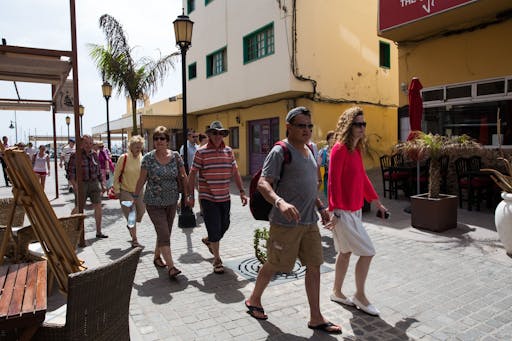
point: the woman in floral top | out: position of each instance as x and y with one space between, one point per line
161 170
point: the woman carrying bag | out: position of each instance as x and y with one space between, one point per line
126 174
162 170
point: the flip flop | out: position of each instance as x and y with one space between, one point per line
252 310
326 327
207 243
159 263
173 272
218 268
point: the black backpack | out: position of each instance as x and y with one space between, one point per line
260 208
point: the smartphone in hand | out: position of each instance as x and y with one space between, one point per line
386 214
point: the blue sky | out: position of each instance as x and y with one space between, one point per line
46 24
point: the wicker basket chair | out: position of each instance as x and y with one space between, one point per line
72 224
19 216
97 303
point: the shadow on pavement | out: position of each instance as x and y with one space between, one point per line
218 283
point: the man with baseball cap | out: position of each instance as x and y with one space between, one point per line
293 220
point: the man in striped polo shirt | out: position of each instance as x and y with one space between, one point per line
215 166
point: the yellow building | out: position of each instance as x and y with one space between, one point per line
460 50
166 113
252 61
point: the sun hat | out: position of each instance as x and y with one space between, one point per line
216 125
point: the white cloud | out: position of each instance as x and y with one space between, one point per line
46 24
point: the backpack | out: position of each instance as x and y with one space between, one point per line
260 207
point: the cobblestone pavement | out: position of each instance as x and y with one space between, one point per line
429 286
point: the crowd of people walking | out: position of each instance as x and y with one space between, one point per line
153 182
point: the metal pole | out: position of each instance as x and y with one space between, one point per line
186 217
108 127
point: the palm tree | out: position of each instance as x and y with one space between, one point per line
434 146
134 78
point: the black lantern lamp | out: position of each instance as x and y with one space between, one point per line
183 33
106 88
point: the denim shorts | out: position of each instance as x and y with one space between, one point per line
216 218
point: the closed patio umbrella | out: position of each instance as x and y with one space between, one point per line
415 115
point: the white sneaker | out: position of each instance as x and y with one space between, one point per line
369 309
346 301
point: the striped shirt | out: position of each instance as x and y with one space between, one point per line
215 168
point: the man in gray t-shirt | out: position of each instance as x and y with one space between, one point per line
293 221
298 186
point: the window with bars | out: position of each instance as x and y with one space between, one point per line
259 44
216 62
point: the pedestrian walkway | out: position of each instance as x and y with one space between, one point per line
450 286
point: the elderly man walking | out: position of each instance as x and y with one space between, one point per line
90 186
215 165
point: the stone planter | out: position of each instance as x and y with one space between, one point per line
503 221
434 214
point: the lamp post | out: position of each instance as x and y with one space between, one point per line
183 33
68 121
106 88
81 111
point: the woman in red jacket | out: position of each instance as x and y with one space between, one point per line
348 186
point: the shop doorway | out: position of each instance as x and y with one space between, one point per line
262 136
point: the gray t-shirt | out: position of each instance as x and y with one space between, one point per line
298 185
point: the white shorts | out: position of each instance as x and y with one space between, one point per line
349 235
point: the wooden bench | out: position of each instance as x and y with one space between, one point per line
23 297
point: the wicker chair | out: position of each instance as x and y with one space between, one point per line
19 217
72 224
98 303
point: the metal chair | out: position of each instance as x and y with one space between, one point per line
97 303
385 169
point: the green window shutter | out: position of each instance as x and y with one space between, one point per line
192 71
384 55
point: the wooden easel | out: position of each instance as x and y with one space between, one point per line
28 192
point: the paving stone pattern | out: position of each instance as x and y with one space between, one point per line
450 286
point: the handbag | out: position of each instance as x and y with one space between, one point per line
179 178
111 194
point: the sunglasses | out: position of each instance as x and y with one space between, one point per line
223 133
303 126
359 124
159 138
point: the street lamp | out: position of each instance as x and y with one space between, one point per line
183 33
106 88
81 111
68 121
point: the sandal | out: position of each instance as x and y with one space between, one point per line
135 243
218 268
159 263
207 243
327 327
173 272
257 312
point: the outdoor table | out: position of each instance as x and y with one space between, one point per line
23 297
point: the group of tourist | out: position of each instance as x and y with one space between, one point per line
293 233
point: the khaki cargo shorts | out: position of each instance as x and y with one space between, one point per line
286 244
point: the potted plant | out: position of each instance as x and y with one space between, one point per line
435 211
503 213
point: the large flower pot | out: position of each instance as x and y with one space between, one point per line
434 214
503 221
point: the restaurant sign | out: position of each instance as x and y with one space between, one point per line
394 13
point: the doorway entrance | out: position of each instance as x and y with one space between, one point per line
262 136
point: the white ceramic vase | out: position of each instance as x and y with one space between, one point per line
503 221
